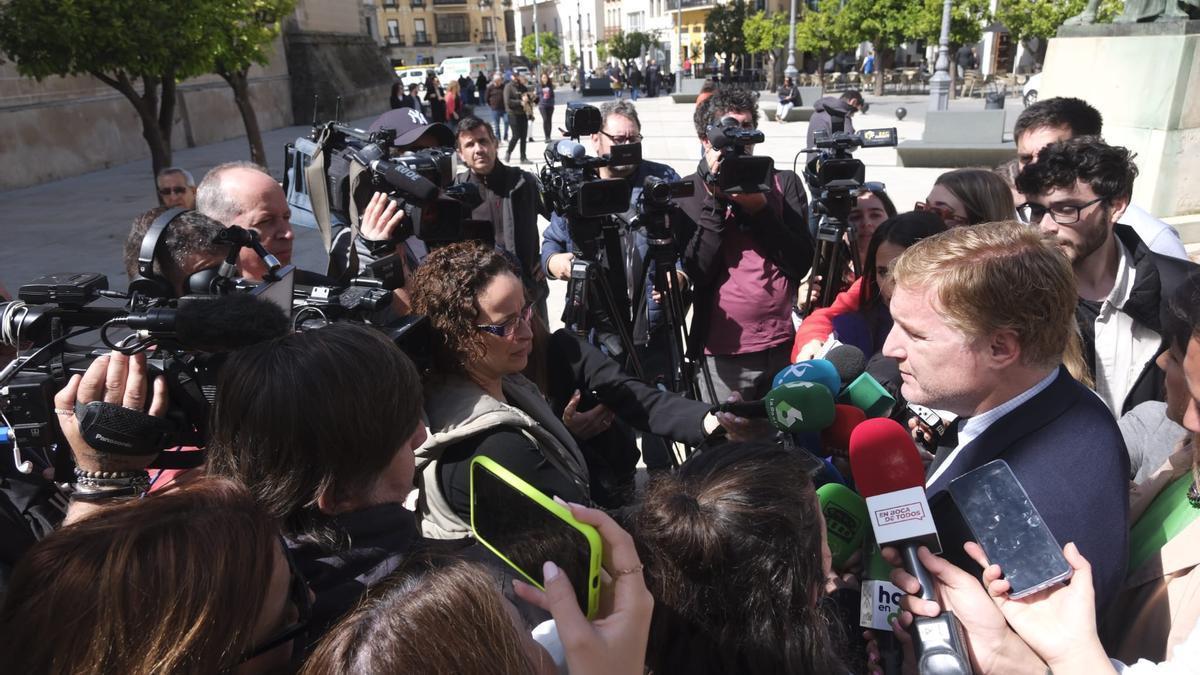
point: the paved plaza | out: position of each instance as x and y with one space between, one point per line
79 224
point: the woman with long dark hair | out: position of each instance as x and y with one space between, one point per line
546 104
867 298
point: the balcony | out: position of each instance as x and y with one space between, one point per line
421 40
488 39
444 38
441 3
691 4
389 3
395 40
418 3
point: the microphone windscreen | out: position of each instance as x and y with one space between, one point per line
849 361
837 435
845 520
799 406
226 323
570 149
883 458
866 394
407 180
813 370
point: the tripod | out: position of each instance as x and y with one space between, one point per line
598 295
836 243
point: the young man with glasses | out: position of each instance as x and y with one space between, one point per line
1076 191
176 187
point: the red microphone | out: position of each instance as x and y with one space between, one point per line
837 435
888 473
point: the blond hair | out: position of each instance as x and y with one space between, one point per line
998 276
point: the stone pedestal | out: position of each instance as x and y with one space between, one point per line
1145 80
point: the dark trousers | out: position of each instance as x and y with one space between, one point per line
519 124
547 125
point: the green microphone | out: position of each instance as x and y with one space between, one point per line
866 394
798 407
845 520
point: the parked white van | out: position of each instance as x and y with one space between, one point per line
410 76
452 68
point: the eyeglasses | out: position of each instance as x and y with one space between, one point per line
168 191
623 140
947 215
297 595
1063 214
508 328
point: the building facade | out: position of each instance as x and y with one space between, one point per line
416 32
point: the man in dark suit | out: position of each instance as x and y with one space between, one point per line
982 319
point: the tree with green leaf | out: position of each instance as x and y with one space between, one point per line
628 46
244 30
767 34
1041 19
823 31
723 31
551 50
886 24
141 49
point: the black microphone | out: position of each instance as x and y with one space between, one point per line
212 324
849 361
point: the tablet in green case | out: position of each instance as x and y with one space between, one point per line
525 528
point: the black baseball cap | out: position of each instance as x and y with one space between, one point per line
410 124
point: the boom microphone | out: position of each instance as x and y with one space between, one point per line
889 474
791 407
812 370
212 324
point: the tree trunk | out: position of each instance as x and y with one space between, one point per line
240 83
148 112
879 65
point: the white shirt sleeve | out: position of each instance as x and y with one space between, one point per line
1185 659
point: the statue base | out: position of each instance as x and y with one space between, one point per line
1144 78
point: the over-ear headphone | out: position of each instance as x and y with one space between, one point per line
148 283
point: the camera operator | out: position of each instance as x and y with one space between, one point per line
832 112
620 126
511 202
186 247
242 193
746 255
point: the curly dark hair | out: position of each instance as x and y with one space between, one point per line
1062 111
445 288
1108 169
732 548
725 100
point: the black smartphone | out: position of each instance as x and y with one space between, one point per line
525 528
1009 528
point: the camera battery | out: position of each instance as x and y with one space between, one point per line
77 288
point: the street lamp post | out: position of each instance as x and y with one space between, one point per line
939 83
495 36
537 43
579 41
791 71
679 45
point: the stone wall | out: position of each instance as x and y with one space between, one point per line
66 126
329 65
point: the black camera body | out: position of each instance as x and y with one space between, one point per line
740 172
571 183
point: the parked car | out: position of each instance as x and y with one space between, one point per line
410 76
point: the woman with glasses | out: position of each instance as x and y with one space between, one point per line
476 400
969 197
196 580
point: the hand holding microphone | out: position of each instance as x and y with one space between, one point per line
889 474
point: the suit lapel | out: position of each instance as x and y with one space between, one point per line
1026 419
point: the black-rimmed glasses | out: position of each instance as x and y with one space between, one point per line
1063 214
622 140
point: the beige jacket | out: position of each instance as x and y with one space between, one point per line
457 409
1160 602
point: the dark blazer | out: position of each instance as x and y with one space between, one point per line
1066 450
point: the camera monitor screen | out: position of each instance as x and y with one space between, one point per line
279 291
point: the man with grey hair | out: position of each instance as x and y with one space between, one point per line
176 187
242 193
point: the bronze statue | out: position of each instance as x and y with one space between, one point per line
1142 11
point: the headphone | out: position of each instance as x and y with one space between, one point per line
150 284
